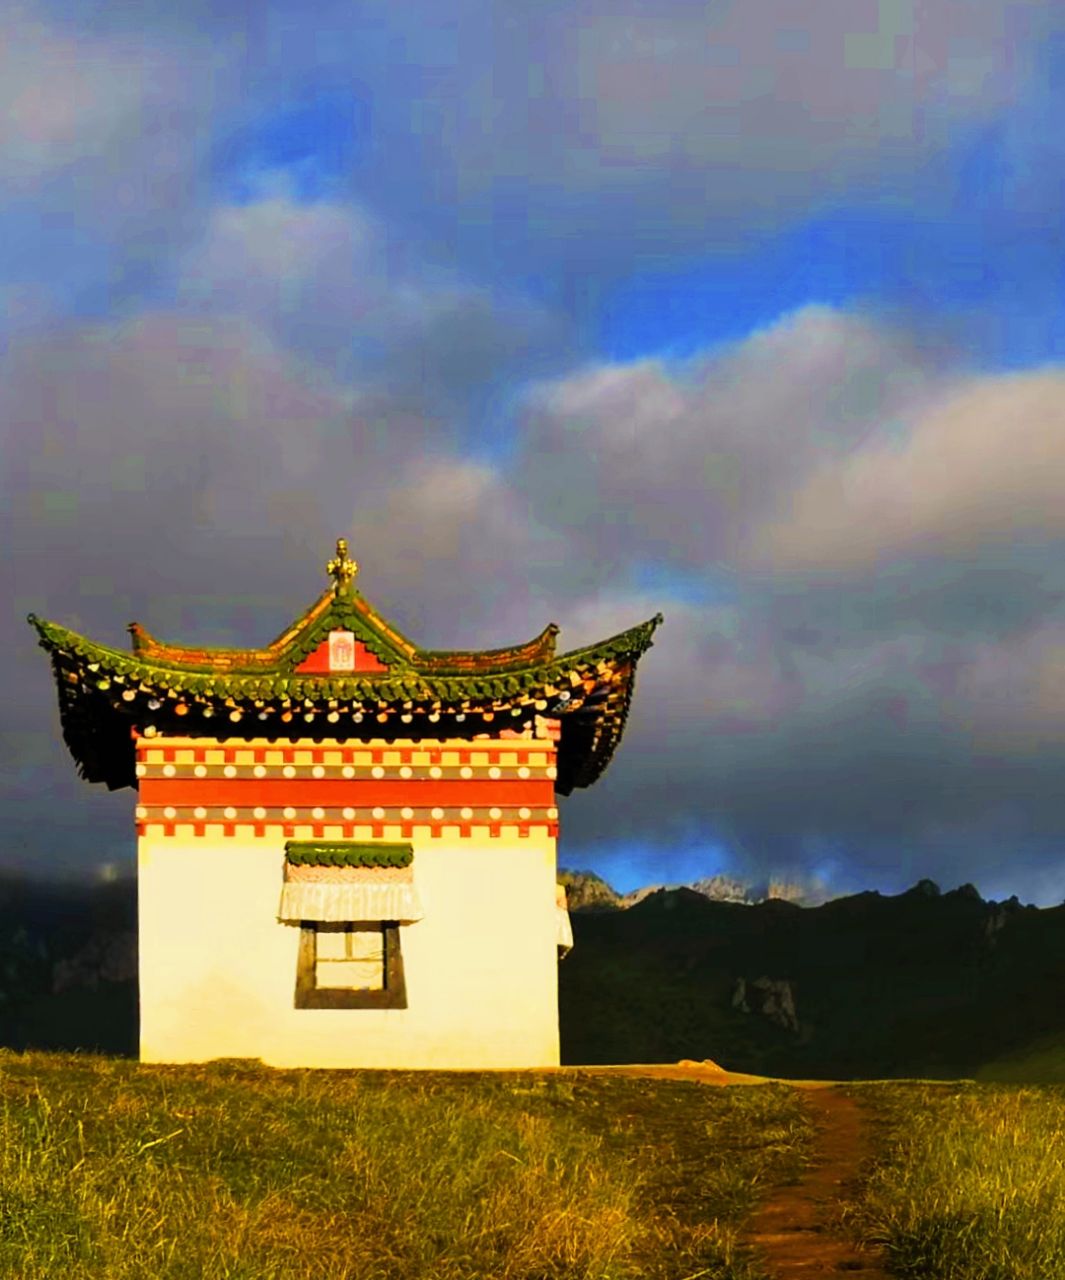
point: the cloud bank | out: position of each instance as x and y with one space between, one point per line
213 365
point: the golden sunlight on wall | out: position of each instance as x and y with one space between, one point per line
218 969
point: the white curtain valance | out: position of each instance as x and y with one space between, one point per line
342 901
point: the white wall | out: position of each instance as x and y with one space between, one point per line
218 970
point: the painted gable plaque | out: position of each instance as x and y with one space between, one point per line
341 651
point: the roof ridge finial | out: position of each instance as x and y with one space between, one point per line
342 569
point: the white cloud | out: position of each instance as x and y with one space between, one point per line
768 87
737 736
278 258
193 431
683 460
61 98
332 282
713 122
1011 695
197 468
827 443
121 112
982 464
460 555
618 133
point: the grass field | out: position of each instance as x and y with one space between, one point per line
967 1180
113 1169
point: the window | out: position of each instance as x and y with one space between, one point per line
349 957
349 897
356 965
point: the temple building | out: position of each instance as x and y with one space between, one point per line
345 843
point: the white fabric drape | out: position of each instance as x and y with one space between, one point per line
347 901
563 928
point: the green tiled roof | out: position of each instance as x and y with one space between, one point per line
165 689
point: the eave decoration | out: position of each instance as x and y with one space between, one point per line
389 688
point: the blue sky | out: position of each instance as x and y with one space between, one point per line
570 312
317 140
945 268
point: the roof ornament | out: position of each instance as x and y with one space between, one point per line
342 569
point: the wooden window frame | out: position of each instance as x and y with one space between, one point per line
393 995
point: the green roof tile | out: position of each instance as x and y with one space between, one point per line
484 681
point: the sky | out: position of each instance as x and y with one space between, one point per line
572 311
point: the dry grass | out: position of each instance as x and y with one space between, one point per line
968 1180
113 1169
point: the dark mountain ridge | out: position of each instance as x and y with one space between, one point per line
863 986
921 983
68 965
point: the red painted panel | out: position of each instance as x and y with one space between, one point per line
367 661
317 662
249 792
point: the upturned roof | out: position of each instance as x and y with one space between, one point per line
401 692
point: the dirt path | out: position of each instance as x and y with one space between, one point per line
791 1228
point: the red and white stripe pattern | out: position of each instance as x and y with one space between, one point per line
343 790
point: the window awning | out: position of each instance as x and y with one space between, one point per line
338 881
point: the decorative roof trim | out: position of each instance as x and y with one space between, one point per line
105 693
171 679
328 613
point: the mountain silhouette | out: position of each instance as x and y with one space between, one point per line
867 986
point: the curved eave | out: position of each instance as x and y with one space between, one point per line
103 693
516 657
147 648
289 649
388 644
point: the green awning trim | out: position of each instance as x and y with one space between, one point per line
347 853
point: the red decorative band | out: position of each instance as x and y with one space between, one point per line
347 830
202 768
309 792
